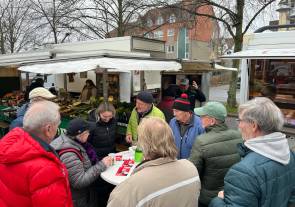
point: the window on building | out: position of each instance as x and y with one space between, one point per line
170 48
149 35
160 20
172 18
170 32
149 22
158 34
186 55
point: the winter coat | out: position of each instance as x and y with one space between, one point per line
193 95
185 143
18 122
166 107
103 136
84 94
213 153
162 182
81 173
134 120
265 177
31 173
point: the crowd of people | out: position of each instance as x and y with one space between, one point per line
190 159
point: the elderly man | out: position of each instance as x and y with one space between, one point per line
31 173
214 152
186 126
194 92
265 177
144 108
35 95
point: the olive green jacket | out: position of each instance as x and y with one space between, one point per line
213 153
133 121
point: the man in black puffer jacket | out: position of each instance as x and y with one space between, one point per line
214 152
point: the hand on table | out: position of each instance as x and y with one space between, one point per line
221 194
128 138
107 161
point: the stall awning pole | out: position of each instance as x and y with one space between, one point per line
105 84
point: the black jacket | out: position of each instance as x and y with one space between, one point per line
103 136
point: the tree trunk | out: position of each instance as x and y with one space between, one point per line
121 31
238 39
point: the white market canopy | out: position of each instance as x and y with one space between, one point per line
263 54
115 64
220 67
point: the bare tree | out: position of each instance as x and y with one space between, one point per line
15 25
54 18
105 18
231 14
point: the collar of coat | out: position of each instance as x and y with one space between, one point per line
217 127
151 163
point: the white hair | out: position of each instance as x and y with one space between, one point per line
264 112
39 114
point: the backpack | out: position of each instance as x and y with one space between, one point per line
77 152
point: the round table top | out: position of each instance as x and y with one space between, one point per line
110 174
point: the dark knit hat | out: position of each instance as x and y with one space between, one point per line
145 97
182 103
78 126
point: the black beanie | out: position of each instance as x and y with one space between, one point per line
145 97
182 103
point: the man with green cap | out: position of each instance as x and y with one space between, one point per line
214 152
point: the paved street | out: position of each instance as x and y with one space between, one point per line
219 93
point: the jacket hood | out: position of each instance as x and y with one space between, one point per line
18 146
273 146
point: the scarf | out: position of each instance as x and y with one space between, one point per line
91 153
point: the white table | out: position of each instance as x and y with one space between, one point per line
110 174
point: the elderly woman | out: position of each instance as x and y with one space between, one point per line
102 137
81 162
161 179
265 177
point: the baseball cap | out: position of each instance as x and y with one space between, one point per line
41 92
213 109
184 81
78 126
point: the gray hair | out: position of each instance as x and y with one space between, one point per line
106 106
39 114
264 112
